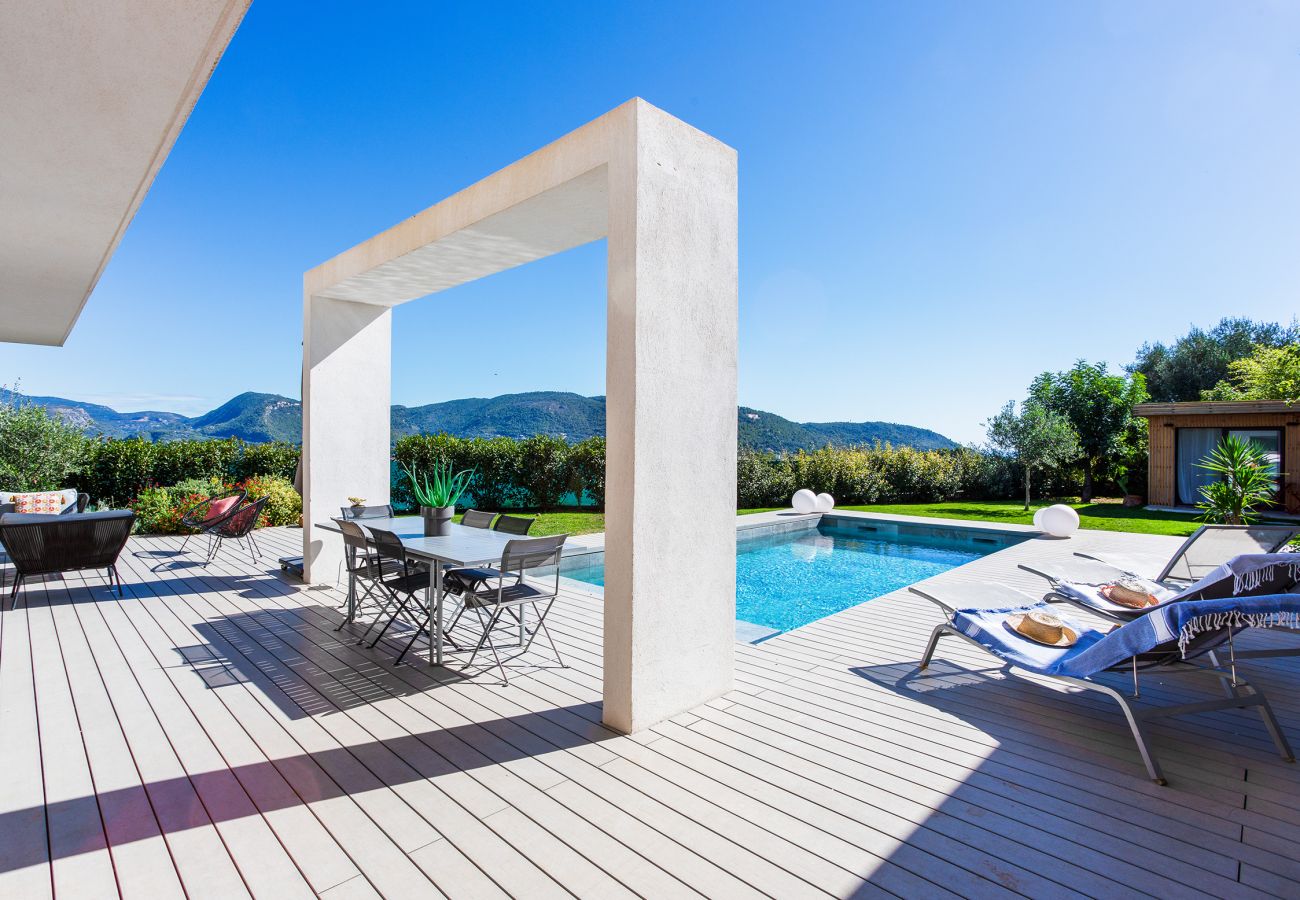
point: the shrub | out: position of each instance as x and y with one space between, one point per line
762 479
911 475
38 451
117 470
277 458
543 470
496 464
157 511
587 471
201 487
283 505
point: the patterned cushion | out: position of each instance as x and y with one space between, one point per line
49 502
218 508
7 500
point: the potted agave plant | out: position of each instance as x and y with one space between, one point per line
437 492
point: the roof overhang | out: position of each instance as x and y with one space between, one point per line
1216 408
94 95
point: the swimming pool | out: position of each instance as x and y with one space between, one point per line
785 579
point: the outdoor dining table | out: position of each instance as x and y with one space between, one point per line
461 546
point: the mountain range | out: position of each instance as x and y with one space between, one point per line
264 417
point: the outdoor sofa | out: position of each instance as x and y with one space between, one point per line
49 544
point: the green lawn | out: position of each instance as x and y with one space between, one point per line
1104 515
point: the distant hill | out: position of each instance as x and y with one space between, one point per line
510 415
760 430
263 417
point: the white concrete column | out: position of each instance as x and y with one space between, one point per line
346 395
670 548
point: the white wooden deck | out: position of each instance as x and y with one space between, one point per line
211 735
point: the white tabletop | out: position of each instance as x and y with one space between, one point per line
462 546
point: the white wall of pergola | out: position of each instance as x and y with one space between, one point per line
664 195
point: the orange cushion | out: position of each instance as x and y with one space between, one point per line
219 508
51 502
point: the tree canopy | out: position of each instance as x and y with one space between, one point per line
1099 407
1269 373
1199 360
1037 438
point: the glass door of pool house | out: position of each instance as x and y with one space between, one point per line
1195 444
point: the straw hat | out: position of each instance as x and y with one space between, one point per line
1043 628
1126 595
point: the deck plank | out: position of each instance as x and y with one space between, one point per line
79 848
24 851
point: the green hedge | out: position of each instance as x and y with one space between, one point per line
544 472
539 472
879 474
115 472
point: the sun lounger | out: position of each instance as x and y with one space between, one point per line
1165 641
1209 547
1081 582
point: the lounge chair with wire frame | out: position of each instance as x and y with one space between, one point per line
236 525
477 518
1209 547
513 524
208 510
509 592
39 544
1164 642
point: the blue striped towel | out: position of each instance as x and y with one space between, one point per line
1096 651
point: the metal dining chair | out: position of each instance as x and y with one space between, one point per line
513 524
362 566
384 511
477 518
510 593
466 580
407 585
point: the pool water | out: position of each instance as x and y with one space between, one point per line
785 580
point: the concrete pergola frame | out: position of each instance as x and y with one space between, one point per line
664 194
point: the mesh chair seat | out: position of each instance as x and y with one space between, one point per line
521 592
408 583
462 581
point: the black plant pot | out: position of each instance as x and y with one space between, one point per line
437 520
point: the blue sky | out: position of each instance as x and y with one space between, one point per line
938 200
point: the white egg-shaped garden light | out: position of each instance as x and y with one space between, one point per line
804 501
1058 521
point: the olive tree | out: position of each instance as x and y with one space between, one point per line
1036 438
38 451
